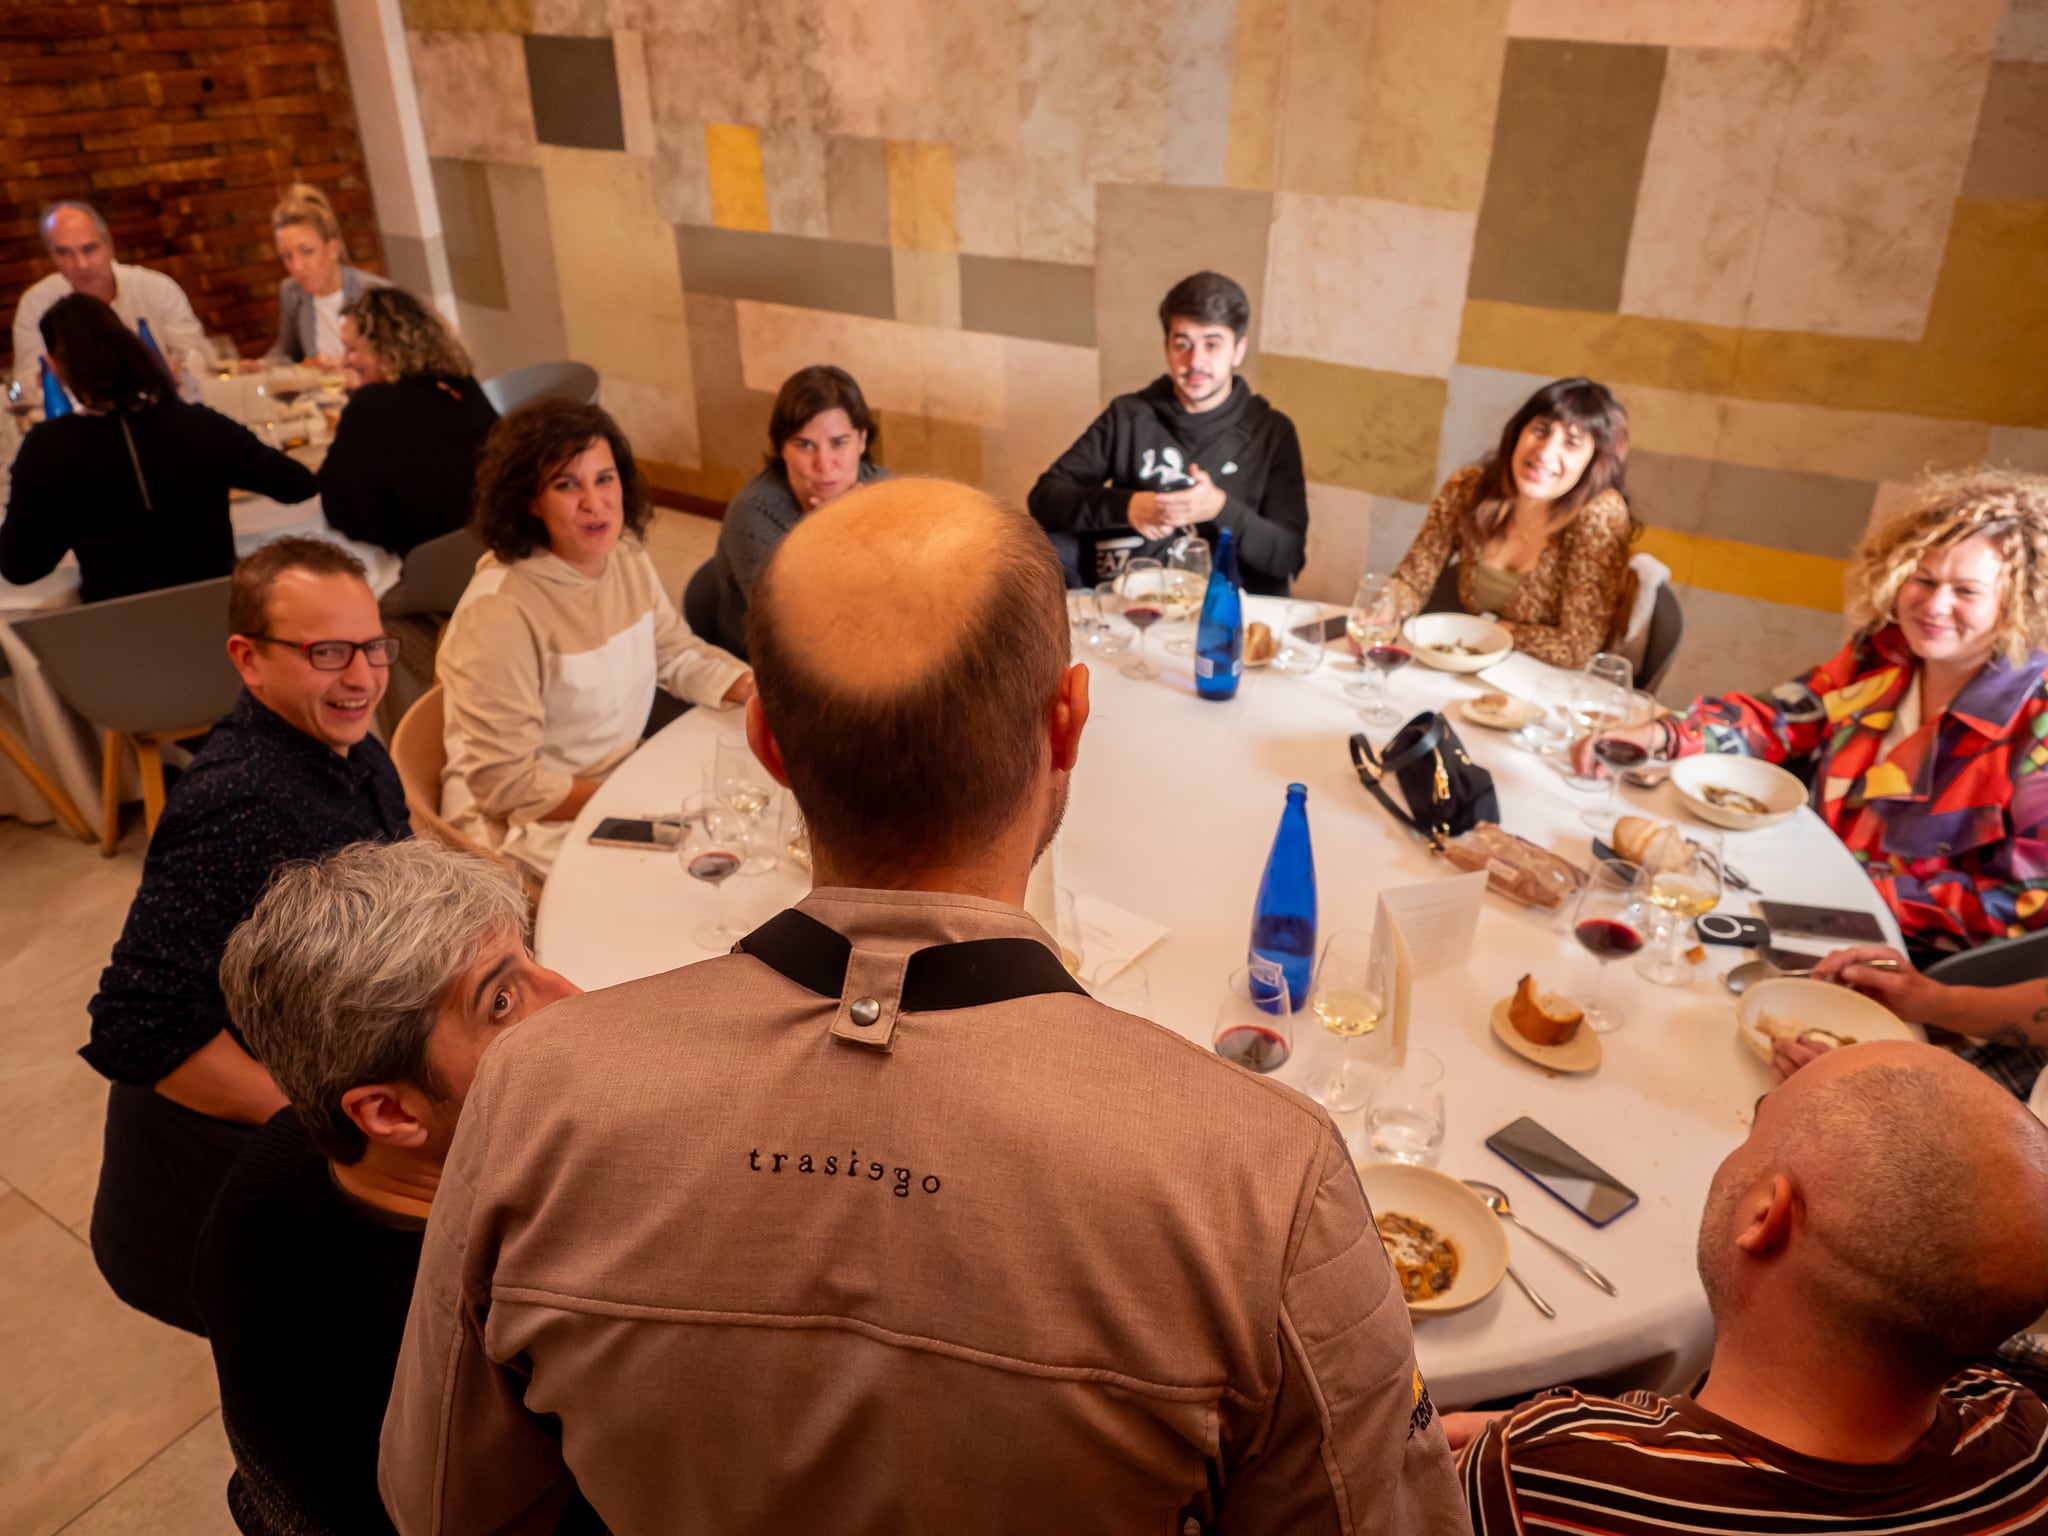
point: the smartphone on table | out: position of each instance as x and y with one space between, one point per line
634 832
1838 925
1563 1171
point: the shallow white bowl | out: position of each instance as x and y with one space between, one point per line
1443 1203
1814 1005
1429 631
1751 776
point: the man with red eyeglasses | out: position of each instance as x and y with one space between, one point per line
290 773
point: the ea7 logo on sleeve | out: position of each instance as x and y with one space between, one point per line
900 1180
1425 1410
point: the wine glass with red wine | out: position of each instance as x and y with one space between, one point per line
1609 925
1143 585
1385 651
1253 1027
714 846
1618 754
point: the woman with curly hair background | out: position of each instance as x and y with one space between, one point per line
403 463
1925 738
552 658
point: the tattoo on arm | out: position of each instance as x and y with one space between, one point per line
2013 1034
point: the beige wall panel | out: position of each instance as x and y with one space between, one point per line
1706 187
2023 32
1856 445
1433 81
571 18
1086 125
926 287
636 101
1051 395
1257 79
1339 543
732 420
857 189
985 199
1359 427
1744 643
659 423
2020 447
914 369
923 69
2010 156
1373 284
793 171
1907 26
473 98
1326 95
714 62
1770 24
681 171
529 329
1195 146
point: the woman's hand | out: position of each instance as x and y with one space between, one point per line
1461 1429
1648 737
1788 1056
742 689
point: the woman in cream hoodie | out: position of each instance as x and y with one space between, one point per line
552 657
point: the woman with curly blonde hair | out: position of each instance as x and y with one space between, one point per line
403 463
1926 737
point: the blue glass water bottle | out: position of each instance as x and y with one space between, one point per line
1284 921
55 402
1219 637
148 340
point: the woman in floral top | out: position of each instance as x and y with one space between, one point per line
1924 739
1539 527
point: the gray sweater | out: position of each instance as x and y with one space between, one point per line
756 520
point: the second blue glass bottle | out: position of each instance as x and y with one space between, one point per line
1284 919
1219 636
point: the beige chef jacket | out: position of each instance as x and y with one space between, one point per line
883 1226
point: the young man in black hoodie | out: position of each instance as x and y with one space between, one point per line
1194 450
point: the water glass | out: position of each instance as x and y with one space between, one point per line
1109 602
1066 928
793 833
1549 729
1406 1121
1254 1024
1125 987
1299 640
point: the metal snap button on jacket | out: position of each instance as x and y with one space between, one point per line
864 1011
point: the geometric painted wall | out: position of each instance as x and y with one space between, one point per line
1805 240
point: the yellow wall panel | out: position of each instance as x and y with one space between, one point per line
739 196
921 197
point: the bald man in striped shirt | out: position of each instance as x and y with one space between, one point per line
1884 1226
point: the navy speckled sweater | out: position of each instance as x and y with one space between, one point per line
259 793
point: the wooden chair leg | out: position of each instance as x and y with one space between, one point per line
149 757
18 753
110 795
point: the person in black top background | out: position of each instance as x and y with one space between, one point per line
1195 449
403 462
291 773
135 480
369 983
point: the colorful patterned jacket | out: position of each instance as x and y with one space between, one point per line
1953 826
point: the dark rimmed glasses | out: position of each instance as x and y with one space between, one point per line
335 655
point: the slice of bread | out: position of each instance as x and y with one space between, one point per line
1259 644
1543 1018
1653 845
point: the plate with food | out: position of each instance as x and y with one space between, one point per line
1547 1029
1457 642
1445 1245
1822 1012
1740 793
1259 645
1497 711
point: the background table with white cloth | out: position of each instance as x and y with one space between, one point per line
1173 808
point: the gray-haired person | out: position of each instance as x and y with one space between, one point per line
369 984
82 249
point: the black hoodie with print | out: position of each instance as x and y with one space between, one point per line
1147 442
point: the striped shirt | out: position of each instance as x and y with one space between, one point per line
1591 1466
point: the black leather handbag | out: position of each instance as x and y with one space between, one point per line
1447 793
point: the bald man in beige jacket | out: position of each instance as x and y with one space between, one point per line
880 1223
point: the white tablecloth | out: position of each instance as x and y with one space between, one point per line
1173 809
63 741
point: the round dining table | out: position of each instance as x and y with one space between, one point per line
1173 808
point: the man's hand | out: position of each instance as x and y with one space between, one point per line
1905 991
742 689
1788 1056
1461 1429
1147 514
1199 503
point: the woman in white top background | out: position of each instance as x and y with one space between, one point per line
321 282
551 660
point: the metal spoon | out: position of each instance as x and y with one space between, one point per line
1527 1290
1749 973
1497 1201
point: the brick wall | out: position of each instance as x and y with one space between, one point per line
182 123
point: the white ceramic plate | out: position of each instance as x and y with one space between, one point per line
1511 717
1442 1202
1581 1053
1751 776
1814 1005
1428 632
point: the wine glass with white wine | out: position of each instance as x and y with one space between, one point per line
1187 582
1347 999
1687 884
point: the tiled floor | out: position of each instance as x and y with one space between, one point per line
108 1421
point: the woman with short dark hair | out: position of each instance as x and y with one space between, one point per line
821 440
1539 527
403 464
551 660
135 480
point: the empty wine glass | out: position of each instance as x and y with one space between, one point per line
1143 585
1123 985
1109 602
1685 884
1608 923
1299 642
1187 580
1347 999
713 847
1618 754
742 785
1254 1026
1614 667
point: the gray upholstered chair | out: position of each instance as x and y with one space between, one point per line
577 382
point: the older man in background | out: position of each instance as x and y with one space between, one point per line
369 984
1883 1228
881 1223
79 243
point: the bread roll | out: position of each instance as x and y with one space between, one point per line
1651 844
1542 1018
